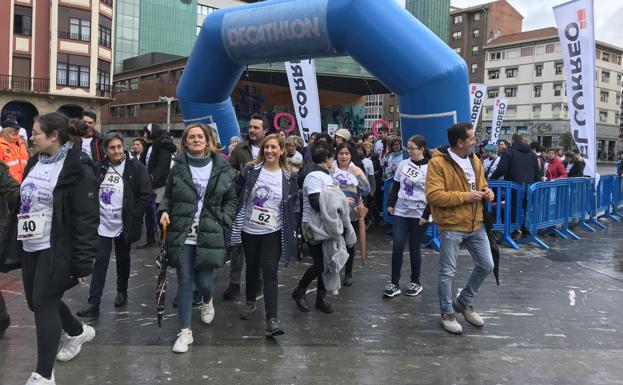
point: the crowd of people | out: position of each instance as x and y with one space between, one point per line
77 193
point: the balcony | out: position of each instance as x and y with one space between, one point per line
103 90
24 84
73 36
22 31
104 42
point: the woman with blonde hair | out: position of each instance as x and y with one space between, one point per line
268 197
198 204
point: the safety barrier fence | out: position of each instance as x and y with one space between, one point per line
558 207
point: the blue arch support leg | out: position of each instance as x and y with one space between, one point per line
410 60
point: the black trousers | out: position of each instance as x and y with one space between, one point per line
262 251
315 270
4 313
100 268
51 314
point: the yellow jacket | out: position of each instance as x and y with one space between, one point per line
449 194
15 155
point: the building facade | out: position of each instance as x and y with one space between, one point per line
55 55
472 28
527 68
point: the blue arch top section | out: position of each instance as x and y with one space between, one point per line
409 59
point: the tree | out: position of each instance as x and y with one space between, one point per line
566 140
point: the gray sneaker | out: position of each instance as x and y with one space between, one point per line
450 324
413 290
247 310
469 313
273 328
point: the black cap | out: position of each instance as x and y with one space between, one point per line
10 123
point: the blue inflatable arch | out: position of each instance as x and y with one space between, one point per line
410 60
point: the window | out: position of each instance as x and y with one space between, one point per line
118 112
537 91
391 108
105 35
476 33
79 29
72 75
133 84
457 35
512 72
494 74
549 48
556 108
603 116
540 50
522 130
605 77
476 16
616 118
505 130
61 73
618 99
22 21
132 110
618 79
510 92
488 110
512 54
84 77
527 51
605 56
495 56
458 50
458 19
557 89
604 96
474 68
493 93
511 110
475 50
558 68
539 70
536 111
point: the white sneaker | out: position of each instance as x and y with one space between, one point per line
450 324
73 345
38 379
207 312
184 338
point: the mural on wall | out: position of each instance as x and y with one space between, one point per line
345 110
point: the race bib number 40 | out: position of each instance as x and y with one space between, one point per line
30 226
264 217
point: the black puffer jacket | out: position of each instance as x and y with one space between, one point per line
136 195
9 198
519 165
73 237
160 159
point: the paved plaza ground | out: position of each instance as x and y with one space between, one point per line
556 318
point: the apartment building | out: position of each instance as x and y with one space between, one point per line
527 68
55 55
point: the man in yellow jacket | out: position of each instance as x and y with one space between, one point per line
455 189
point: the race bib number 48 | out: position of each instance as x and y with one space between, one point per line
30 226
264 217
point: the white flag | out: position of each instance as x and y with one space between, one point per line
476 94
304 90
576 31
499 109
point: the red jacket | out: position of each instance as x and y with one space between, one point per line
555 170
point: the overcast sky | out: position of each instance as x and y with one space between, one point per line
539 14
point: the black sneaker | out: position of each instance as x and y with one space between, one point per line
348 280
91 311
4 325
231 292
273 328
413 289
121 298
391 291
247 310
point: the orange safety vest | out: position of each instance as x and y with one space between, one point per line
15 155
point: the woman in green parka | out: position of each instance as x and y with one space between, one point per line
199 205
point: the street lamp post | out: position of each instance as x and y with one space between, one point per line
167 100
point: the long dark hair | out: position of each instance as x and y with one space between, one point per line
420 141
354 156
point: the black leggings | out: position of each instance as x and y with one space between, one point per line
51 314
315 270
262 251
4 314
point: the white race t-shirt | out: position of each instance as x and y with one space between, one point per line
201 177
264 205
368 166
411 200
255 151
86 146
466 165
378 147
37 198
491 165
296 157
315 182
111 202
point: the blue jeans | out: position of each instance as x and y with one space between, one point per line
187 274
477 244
407 228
